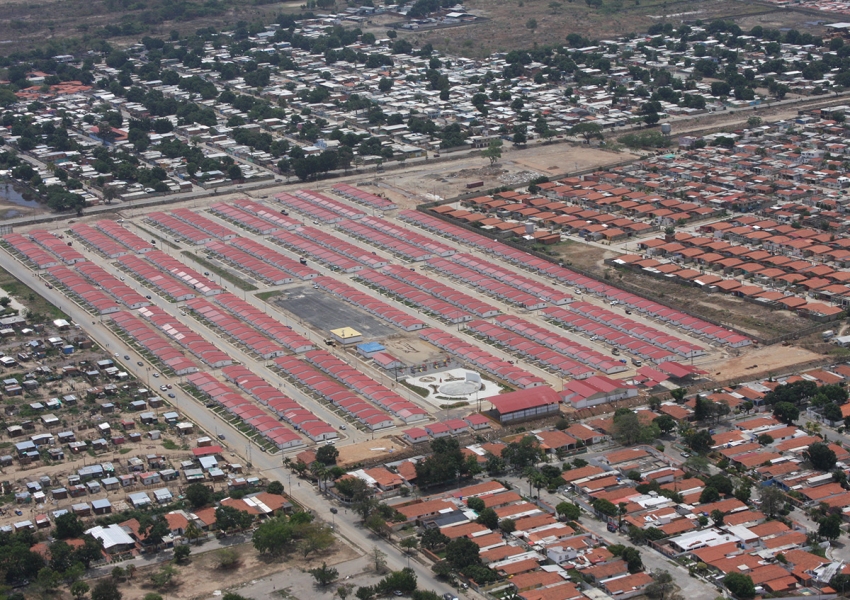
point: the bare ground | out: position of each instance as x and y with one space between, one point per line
506 26
381 447
202 577
774 359
429 181
735 312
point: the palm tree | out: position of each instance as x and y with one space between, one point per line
320 472
193 533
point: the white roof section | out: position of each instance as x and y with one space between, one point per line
111 536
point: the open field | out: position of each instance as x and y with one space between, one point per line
504 30
35 304
66 24
745 316
426 182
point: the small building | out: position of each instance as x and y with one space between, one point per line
346 336
101 507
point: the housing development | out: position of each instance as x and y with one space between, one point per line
309 307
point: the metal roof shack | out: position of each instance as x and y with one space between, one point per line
523 405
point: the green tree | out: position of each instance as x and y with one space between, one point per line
193 533
366 592
274 536
462 552
488 518
198 495
181 553
324 575
700 441
786 412
227 558
605 507
633 559
68 526
721 483
275 487
327 455
409 544
709 495
476 504
524 453
493 151
821 456
568 510
665 423
841 584
106 589
679 394
434 539
740 585
830 527
587 130
79 589
228 518
743 492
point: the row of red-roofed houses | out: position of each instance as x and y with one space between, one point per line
280 404
145 336
393 245
442 309
585 284
250 264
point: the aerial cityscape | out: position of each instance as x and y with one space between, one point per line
436 300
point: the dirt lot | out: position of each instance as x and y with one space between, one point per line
748 317
201 578
760 362
381 447
426 182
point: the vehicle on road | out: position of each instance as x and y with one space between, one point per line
140 363
171 396
221 436
126 357
156 374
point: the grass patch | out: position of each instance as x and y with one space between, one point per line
223 273
169 444
419 390
35 303
265 296
454 405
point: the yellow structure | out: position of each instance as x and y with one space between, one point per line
347 335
